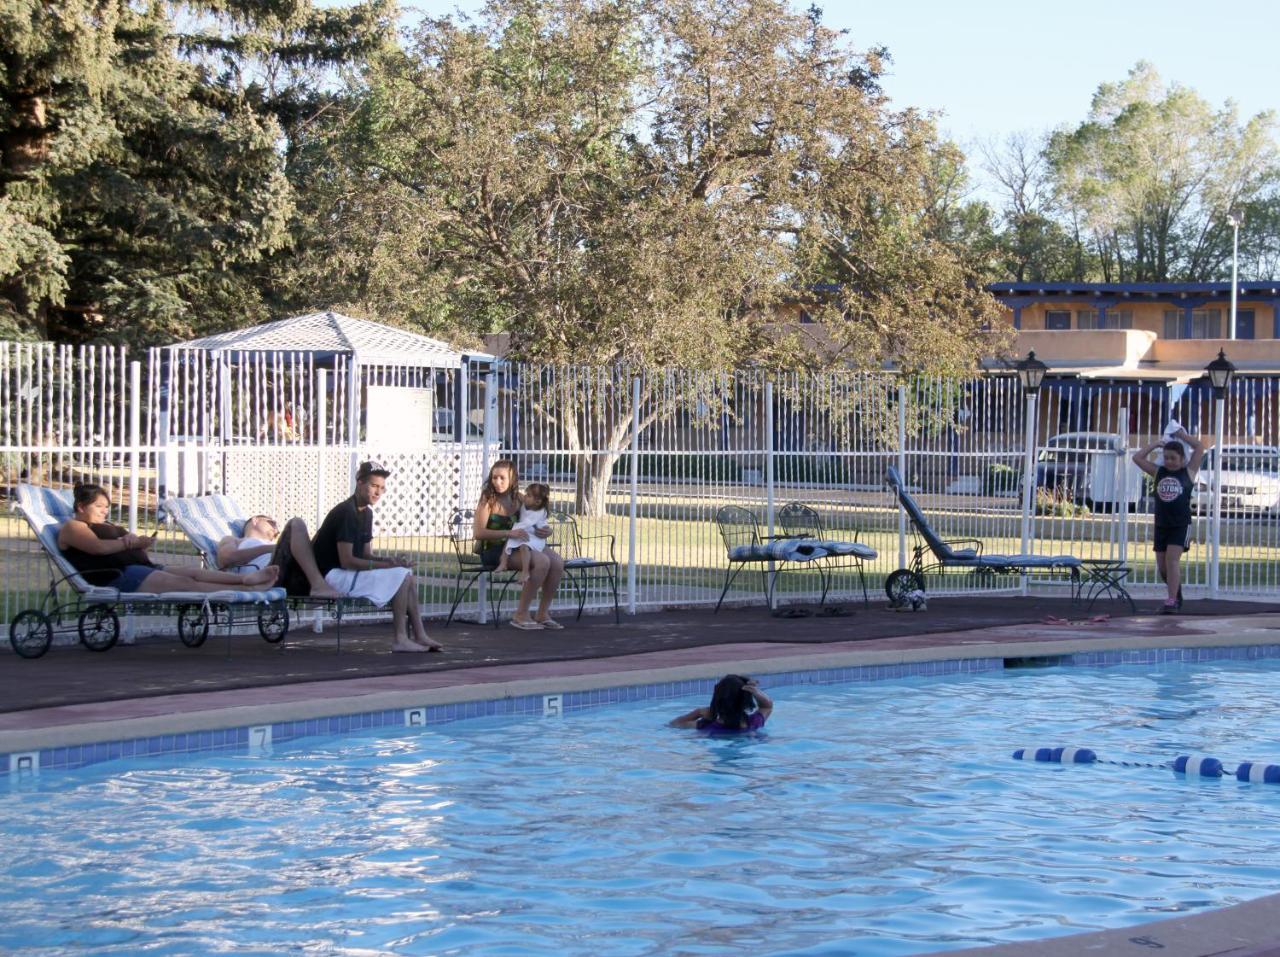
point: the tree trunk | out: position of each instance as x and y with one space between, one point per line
594 474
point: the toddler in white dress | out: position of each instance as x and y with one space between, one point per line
531 517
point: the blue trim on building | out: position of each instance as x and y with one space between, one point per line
1268 289
239 739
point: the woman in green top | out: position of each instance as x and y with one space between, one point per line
495 515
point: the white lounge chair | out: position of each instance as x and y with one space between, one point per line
97 608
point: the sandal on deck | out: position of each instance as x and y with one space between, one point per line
527 625
549 623
791 613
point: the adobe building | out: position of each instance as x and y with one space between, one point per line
1124 356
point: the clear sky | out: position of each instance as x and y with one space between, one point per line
995 66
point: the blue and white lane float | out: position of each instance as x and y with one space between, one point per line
1201 766
1258 773
1056 755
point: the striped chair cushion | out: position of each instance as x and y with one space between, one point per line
207 519
781 550
848 548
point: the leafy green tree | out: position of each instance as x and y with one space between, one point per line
1151 173
142 181
638 182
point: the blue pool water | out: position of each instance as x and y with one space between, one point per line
877 819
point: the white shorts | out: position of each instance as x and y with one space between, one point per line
379 585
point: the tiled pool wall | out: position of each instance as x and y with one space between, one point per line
253 738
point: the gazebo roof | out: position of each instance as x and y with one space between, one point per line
332 332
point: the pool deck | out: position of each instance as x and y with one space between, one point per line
73 696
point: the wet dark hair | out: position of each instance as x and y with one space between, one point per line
87 493
488 495
1175 447
731 702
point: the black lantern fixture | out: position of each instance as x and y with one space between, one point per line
1031 372
1220 371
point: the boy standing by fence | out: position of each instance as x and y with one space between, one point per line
1174 480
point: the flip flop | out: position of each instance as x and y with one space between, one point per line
550 624
528 625
1054 620
792 613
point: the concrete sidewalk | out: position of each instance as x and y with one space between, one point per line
75 675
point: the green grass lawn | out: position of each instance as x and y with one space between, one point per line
680 558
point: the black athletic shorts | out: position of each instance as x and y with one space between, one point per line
292 578
1177 535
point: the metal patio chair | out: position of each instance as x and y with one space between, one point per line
581 566
96 609
934 555
745 545
208 519
471 570
801 521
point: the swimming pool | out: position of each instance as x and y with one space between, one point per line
879 818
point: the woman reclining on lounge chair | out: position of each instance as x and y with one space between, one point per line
108 555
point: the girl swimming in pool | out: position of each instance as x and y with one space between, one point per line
737 704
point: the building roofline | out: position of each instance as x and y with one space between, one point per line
1268 288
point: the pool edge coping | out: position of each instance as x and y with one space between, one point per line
217 710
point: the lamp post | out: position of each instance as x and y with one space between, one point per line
1031 373
1219 371
1235 217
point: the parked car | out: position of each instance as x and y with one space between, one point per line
1250 479
1093 467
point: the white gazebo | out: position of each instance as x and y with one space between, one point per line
323 383
367 355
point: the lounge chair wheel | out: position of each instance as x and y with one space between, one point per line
193 625
99 627
901 583
30 633
273 623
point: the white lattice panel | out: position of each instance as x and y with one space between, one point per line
284 482
422 491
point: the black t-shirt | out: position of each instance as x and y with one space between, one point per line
344 523
1173 498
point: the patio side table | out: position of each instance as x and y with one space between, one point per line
1103 576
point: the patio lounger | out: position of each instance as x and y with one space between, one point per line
208 519
97 608
945 554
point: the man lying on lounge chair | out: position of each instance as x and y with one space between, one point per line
263 542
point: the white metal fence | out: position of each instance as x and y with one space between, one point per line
645 456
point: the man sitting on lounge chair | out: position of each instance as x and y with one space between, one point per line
344 553
263 542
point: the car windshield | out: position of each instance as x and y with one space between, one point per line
1091 442
1075 448
1070 456
1266 462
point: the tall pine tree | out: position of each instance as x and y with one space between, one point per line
143 153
